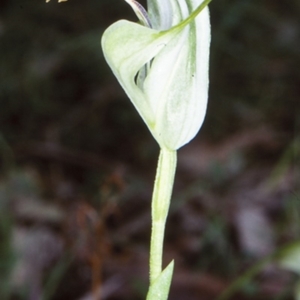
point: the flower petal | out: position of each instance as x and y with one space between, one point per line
128 47
164 73
160 14
177 84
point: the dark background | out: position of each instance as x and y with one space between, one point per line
77 163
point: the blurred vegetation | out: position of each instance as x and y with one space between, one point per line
254 77
68 133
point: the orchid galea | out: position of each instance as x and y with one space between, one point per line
162 64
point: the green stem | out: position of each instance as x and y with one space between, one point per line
162 192
191 17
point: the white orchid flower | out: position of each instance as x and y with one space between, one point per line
162 64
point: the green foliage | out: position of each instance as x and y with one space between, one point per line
290 258
160 288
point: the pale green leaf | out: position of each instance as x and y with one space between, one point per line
160 288
290 258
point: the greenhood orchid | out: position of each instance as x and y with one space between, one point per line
162 64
